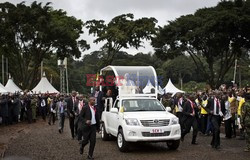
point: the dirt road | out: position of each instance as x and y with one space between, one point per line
39 141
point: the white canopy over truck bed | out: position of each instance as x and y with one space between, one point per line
131 80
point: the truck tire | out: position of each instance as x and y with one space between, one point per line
104 134
122 144
173 144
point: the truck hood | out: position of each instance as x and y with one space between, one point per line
149 115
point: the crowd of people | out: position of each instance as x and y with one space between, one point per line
83 113
203 111
206 111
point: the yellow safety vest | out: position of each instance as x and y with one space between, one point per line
241 102
204 104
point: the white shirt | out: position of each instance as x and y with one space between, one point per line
180 101
215 106
96 95
93 120
228 111
61 107
43 103
80 106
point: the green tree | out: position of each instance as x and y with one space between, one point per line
121 32
217 34
180 69
29 34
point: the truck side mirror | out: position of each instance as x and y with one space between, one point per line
168 109
114 110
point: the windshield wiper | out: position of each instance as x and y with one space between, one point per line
141 110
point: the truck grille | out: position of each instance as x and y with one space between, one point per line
148 134
155 123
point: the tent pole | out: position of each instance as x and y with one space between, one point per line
7 68
2 69
67 80
42 69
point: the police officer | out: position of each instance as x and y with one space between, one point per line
246 121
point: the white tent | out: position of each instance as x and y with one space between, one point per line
148 87
160 90
170 88
2 89
44 86
12 87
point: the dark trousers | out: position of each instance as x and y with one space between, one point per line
233 124
22 114
188 123
228 128
43 112
10 116
15 118
76 125
78 130
215 120
209 125
79 133
52 117
5 120
89 135
180 115
29 115
61 121
204 123
71 125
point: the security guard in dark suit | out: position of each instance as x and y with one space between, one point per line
90 125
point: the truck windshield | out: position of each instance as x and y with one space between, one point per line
134 105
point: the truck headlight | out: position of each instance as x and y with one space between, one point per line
132 122
175 121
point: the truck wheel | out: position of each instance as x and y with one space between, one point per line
121 142
173 145
104 134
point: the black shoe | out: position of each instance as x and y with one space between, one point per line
217 147
49 123
194 143
81 150
60 131
90 157
241 138
182 139
80 141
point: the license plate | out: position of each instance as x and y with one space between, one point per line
156 131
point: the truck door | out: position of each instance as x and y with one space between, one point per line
114 119
108 104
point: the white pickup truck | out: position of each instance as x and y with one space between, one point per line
136 119
139 118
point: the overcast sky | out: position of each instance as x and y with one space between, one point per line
162 10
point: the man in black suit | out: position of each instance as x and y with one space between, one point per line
71 102
4 109
78 108
90 124
189 118
99 102
43 105
215 113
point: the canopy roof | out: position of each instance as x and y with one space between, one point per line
160 90
148 88
12 87
2 89
44 86
131 80
170 88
